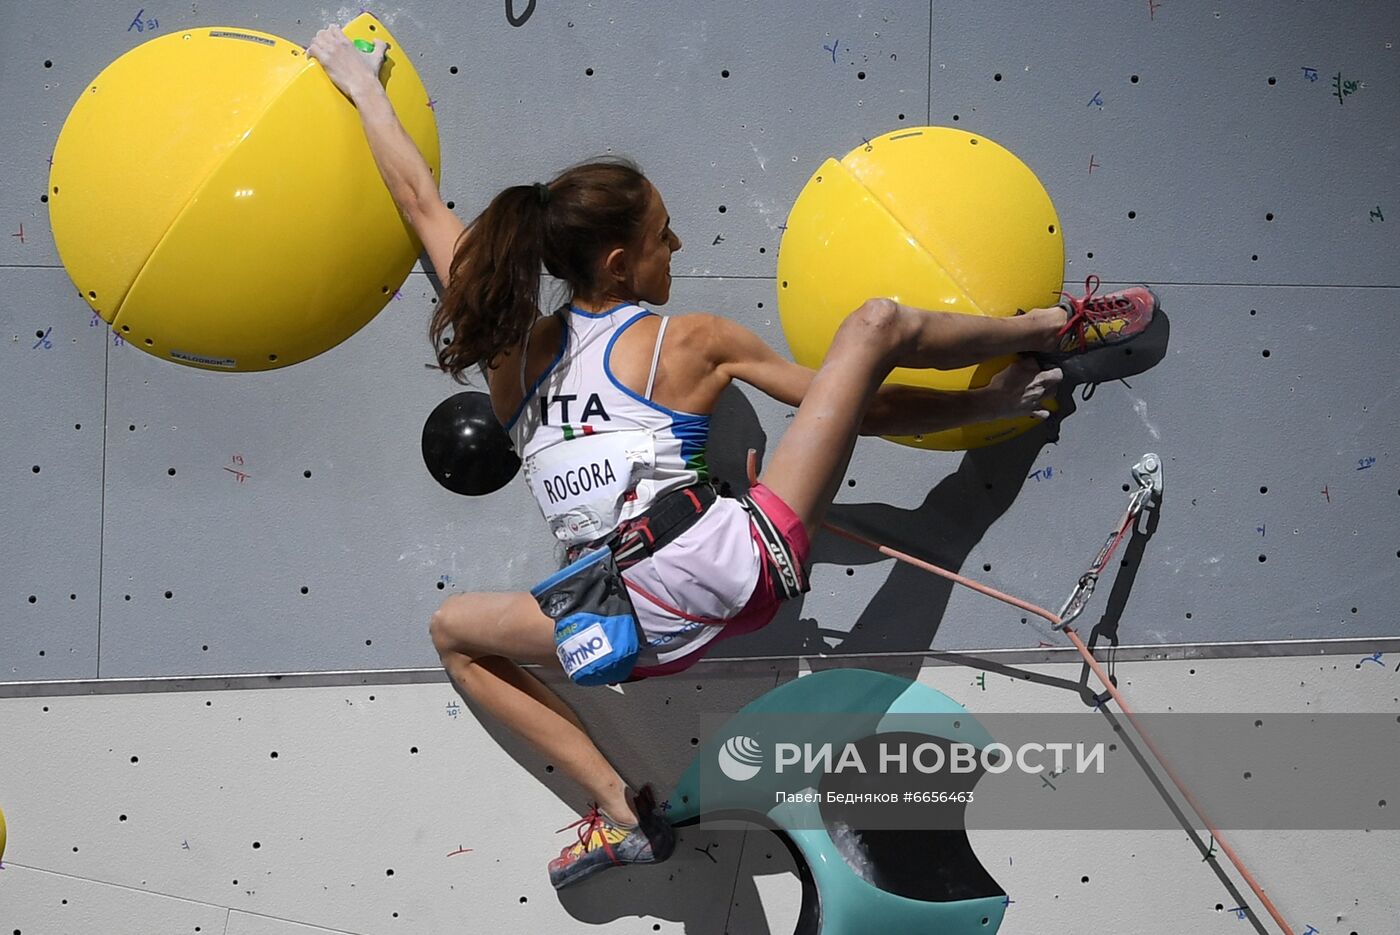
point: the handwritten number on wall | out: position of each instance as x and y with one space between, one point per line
523 18
141 25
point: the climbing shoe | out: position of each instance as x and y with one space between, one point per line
1101 321
604 843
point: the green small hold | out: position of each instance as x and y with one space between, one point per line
364 45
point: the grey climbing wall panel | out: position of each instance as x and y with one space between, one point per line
166 521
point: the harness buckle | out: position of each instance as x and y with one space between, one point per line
631 537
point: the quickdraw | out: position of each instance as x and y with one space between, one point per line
1148 474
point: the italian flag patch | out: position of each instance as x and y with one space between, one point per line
571 432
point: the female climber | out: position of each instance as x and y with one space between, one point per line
608 405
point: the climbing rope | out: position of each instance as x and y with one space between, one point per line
1148 474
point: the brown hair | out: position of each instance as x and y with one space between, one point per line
493 295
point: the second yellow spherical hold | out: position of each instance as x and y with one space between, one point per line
931 217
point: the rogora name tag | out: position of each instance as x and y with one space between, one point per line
580 483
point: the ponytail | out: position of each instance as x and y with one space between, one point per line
494 284
493 295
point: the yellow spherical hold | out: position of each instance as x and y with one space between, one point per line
214 198
2 834
931 217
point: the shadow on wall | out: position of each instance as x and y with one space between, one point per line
905 613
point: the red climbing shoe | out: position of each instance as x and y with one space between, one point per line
1101 321
603 843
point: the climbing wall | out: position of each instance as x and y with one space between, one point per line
165 524
181 522
293 808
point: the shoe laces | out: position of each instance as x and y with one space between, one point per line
587 825
1088 310
1086 390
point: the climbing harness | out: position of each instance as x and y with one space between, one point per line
636 539
788 575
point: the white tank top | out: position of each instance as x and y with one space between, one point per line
594 452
